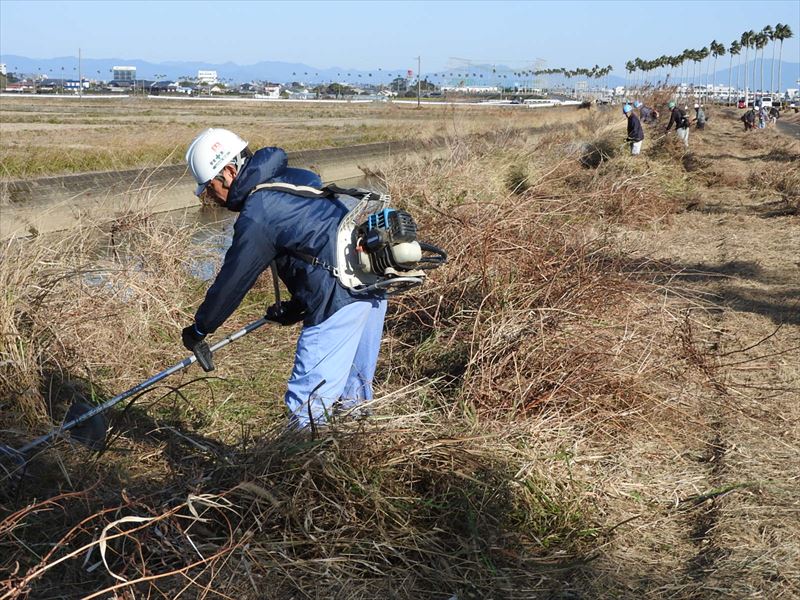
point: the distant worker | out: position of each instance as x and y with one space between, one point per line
774 114
749 119
763 117
649 116
635 132
700 116
681 121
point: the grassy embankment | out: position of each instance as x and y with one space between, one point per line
509 390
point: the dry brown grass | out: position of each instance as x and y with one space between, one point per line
543 419
482 371
72 303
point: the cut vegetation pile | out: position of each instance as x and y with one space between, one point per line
505 387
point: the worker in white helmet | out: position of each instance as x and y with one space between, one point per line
337 350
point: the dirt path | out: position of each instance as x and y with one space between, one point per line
721 514
791 128
749 245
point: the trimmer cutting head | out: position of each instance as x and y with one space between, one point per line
91 432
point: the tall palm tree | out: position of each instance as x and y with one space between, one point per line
771 38
630 67
717 50
736 48
746 41
639 67
704 54
782 32
684 74
761 42
675 62
697 58
768 35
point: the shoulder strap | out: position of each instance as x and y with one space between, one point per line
329 191
305 191
298 190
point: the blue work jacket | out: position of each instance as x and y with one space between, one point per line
276 226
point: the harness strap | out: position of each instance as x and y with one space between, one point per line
315 262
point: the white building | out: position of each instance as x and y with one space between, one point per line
123 73
270 91
209 77
3 70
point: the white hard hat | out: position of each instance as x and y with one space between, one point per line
210 152
697 105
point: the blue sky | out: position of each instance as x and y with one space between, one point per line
367 35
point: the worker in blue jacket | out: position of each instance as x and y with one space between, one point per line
337 350
635 135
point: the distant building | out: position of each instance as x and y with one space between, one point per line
270 91
28 85
123 73
209 77
3 70
74 85
162 87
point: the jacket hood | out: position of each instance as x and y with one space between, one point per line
264 165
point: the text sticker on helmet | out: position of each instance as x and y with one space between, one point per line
217 158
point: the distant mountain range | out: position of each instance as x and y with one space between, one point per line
281 72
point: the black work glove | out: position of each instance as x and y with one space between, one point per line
195 343
191 338
289 313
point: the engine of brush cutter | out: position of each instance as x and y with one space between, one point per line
387 243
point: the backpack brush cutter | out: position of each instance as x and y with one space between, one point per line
377 252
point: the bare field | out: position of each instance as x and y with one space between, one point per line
47 137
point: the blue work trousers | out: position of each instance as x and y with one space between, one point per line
335 362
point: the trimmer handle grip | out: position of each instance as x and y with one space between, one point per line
204 356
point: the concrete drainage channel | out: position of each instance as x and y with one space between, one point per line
48 204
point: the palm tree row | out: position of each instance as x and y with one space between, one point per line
749 39
595 72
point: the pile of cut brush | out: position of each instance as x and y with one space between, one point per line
460 484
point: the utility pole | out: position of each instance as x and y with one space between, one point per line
80 79
419 79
